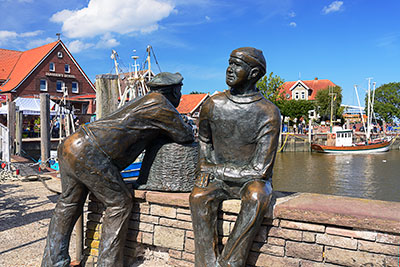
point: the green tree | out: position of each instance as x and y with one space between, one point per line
271 87
297 108
196 92
387 102
324 100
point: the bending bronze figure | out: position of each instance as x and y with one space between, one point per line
91 160
238 135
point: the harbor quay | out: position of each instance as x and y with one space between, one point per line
300 142
300 229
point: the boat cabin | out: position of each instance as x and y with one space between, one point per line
344 137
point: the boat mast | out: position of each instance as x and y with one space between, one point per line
361 112
332 94
114 56
369 110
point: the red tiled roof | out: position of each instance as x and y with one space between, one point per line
18 65
314 85
190 102
8 59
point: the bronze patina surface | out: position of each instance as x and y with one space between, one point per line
91 160
238 135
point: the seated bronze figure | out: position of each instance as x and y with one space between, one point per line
238 135
92 158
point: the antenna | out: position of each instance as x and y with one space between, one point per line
299 75
58 36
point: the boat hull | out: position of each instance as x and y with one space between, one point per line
356 149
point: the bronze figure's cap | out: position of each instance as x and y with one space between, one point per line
251 56
165 79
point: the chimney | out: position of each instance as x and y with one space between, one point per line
316 78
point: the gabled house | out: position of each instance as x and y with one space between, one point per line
305 90
190 105
51 69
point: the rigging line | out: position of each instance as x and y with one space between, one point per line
155 59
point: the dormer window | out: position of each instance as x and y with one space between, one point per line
67 68
52 66
60 54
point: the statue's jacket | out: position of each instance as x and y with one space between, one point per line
124 134
238 136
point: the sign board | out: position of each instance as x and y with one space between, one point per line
61 75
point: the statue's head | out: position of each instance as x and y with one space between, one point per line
246 65
168 84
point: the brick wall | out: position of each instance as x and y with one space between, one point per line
300 230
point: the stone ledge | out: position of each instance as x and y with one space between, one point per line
355 213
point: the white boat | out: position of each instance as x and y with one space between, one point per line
340 141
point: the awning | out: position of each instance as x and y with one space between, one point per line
30 106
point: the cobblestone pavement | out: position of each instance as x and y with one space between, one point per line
25 211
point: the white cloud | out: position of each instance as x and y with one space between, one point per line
293 24
7 34
39 42
119 16
77 46
335 6
389 40
30 34
11 36
292 14
107 41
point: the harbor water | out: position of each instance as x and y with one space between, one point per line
370 176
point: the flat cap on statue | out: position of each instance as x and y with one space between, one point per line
164 79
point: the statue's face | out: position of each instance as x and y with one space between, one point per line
237 72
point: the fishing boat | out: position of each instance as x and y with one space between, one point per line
133 84
340 141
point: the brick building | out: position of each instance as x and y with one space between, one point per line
305 90
190 105
46 69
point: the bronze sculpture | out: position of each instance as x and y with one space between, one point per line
238 135
91 160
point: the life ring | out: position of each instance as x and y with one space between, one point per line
333 136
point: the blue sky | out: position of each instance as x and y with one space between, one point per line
344 41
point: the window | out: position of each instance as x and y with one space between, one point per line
303 95
296 95
60 86
52 66
66 68
75 87
43 85
60 54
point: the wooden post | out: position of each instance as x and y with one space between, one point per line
18 133
106 94
45 128
11 125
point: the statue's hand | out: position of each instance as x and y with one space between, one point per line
202 179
